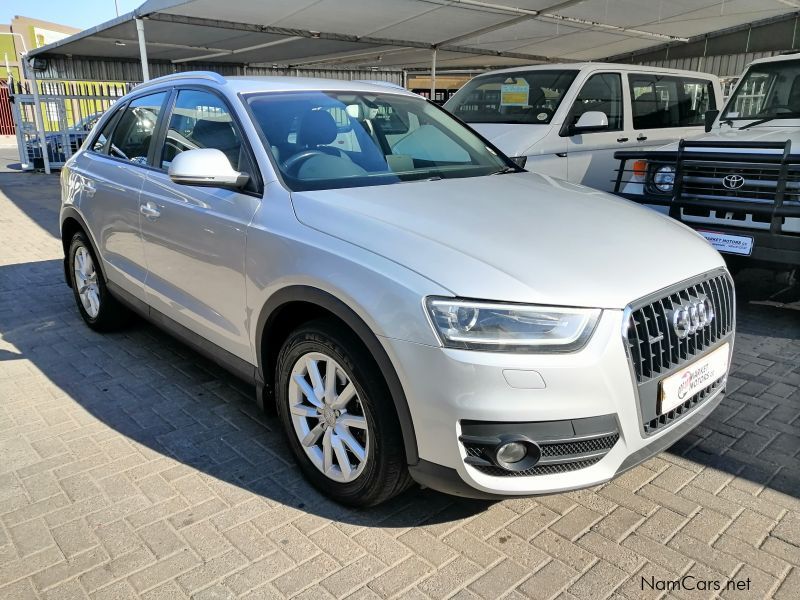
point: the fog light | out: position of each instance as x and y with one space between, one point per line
511 452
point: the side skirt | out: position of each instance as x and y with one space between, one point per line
241 368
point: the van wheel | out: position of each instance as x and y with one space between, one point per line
339 416
100 310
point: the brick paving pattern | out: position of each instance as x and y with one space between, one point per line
131 467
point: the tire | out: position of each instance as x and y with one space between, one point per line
368 417
98 308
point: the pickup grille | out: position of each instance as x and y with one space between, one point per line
704 180
653 346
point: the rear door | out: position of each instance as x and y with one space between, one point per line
112 173
590 155
665 108
194 237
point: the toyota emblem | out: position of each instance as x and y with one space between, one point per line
733 182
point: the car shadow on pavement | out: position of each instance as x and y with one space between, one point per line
161 394
755 432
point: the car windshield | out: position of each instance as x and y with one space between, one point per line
526 97
324 140
768 90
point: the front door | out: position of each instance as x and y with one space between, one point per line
112 172
194 237
590 155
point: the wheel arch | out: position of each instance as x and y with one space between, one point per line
71 223
291 306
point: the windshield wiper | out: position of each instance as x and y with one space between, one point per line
505 170
787 115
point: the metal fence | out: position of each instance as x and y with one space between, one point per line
69 110
6 117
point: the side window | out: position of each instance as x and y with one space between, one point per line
666 101
134 132
201 120
100 143
602 92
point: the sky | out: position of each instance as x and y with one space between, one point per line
76 13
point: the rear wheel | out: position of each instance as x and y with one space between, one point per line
99 309
339 416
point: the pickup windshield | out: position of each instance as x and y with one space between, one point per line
767 91
521 97
324 140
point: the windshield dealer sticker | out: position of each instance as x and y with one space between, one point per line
514 94
732 244
542 116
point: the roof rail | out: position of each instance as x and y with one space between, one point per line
216 77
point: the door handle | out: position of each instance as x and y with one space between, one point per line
622 139
89 188
150 210
641 138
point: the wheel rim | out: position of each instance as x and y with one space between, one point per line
86 280
328 417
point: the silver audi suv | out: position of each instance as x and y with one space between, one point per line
415 305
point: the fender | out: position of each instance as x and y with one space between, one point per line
301 293
70 212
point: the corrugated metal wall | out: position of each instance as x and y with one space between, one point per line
730 65
89 69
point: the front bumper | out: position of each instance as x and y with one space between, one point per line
447 388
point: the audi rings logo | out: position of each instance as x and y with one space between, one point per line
692 316
732 182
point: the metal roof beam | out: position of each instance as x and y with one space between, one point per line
237 50
548 14
232 25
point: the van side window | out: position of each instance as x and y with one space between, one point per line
602 92
134 133
661 101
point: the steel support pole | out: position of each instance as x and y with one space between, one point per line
142 50
433 74
38 115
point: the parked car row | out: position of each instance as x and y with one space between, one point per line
415 304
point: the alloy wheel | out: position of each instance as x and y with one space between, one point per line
328 417
86 281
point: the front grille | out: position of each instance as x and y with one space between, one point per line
676 413
704 180
654 347
539 469
580 447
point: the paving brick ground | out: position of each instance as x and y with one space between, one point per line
131 467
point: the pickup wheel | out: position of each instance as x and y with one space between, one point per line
99 309
339 416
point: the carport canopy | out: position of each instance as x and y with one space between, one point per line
409 34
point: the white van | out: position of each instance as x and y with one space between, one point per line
567 120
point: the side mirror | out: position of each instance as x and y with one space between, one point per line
591 120
205 167
710 117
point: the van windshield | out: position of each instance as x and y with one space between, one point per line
324 140
525 97
768 90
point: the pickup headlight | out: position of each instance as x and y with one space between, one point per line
664 178
500 327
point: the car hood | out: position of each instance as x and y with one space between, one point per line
520 237
768 132
512 139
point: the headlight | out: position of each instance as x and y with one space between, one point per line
664 178
475 325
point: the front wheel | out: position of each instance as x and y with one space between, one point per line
339 417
